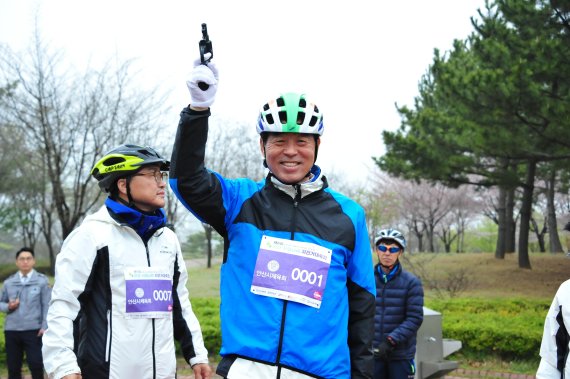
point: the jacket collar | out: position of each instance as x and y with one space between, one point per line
145 224
316 183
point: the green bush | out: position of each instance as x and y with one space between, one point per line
507 328
208 312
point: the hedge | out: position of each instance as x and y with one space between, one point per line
207 312
507 328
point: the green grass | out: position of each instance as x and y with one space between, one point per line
204 282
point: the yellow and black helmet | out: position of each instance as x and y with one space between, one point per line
123 161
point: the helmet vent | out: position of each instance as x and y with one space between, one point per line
269 119
147 153
266 107
280 102
300 118
313 121
302 103
283 117
113 161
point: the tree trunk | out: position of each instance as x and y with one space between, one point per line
430 234
539 234
510 222
502 232
208 233
526 209
555 244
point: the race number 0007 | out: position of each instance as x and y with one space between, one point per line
161 295
305 276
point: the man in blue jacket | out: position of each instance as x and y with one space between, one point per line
399 310
297 289
25 297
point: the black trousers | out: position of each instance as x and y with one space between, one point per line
16 344
400 369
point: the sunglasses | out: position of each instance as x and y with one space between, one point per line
392 250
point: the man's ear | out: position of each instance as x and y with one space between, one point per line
262 146
122 186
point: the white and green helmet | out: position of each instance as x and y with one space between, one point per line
290 113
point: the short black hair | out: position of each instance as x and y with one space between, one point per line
23 249
567 227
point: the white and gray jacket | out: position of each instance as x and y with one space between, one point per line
555 347
89 326
34 301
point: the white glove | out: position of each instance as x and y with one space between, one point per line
205 74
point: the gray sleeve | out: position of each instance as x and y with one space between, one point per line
4 299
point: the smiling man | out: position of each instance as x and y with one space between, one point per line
297 286
120 297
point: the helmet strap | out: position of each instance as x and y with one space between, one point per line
131 202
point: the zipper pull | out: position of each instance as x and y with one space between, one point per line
297 194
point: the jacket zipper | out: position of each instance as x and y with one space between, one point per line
296 201
153 326
108 346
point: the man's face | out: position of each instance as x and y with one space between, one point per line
25 262
147 189
388 253
290 156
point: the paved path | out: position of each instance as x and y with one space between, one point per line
463 373
456 374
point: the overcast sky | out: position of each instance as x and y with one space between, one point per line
354 59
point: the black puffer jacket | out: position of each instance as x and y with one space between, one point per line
399 310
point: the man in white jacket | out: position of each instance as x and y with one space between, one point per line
120 297
554 348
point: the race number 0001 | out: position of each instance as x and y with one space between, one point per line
305 276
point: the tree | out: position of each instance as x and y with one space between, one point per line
493 110
64 121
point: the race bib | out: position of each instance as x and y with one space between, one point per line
148 292
291 270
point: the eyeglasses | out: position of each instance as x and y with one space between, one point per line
159 176
392 250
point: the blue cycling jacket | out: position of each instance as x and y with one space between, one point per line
333 341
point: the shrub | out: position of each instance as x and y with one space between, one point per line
208 312
508 328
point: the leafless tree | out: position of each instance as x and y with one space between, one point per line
463 206
232 151
67 120
381 202
424 205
